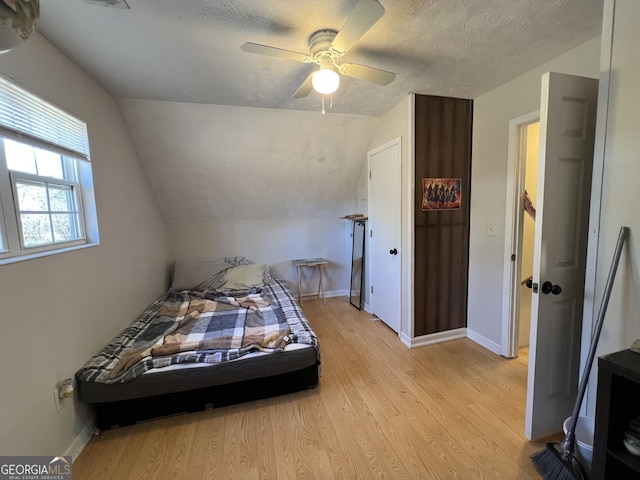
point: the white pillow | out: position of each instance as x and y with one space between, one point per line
246 276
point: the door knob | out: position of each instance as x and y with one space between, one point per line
529 282
548 287
394 251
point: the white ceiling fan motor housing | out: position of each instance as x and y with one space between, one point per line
320 45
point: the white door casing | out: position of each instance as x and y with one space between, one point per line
385 232
513 231
567 132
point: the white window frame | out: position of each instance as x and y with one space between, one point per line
53 182
27 119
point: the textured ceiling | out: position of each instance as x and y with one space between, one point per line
182 83
189 50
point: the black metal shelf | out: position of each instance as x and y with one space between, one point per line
617 404
622 455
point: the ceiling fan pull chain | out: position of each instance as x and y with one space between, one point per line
323 104
331 102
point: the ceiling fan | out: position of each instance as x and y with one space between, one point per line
326 46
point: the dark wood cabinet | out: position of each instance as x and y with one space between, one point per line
443 129
618 402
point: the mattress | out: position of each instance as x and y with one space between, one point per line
189 377
200 375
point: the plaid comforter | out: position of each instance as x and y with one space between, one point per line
203 327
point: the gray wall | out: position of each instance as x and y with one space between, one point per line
492 113
617 155
57 311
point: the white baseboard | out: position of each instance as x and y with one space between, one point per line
81 439
404 338
332 293
432 338
484 342
337 293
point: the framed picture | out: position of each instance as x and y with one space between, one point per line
441 194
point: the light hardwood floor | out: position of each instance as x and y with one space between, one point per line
447 411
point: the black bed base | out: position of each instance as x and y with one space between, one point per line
127 412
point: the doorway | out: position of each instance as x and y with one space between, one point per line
524 140
530 136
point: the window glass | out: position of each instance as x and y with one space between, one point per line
36 229
20 157
64 227
48 164
61 199
32 197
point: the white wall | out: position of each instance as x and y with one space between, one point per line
398 122
492 112
268 184
620 193
59 310
277 241
274 242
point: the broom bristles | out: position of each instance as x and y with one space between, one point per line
552 466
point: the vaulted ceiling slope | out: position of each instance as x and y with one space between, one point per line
210 162
189 50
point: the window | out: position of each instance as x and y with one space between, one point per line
46 190
46 185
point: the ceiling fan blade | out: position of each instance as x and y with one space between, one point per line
305 88
274 52
370 74
363 17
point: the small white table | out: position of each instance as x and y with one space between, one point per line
318 263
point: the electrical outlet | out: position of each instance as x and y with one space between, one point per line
60 402
491 229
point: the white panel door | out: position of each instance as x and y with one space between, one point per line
384 233
567 131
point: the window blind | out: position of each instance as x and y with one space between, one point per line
25 114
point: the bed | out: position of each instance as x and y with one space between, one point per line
224 333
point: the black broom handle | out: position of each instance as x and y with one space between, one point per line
569 441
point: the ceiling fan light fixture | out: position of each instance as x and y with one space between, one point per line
325 81
18 19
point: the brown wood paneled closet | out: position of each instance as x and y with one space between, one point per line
443 129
